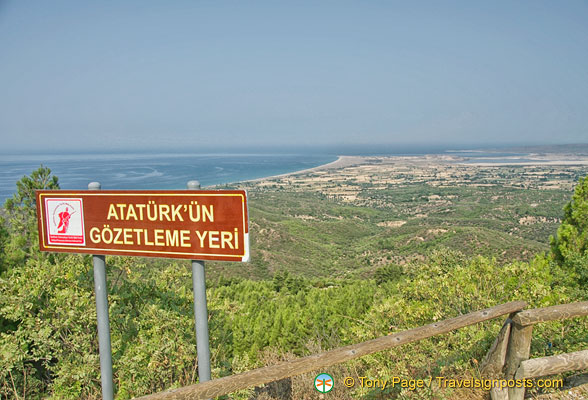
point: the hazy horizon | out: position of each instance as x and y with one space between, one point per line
152 76
352 149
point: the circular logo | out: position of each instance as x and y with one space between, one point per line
323 383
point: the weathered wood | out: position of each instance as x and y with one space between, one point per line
494 362
537 367
264 375
564 311
517 393
519 346
497 393
492 365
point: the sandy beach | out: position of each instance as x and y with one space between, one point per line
437 167
340 162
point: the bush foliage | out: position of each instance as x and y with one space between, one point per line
570 246
48 340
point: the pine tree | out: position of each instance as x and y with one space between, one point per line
570 246
20 225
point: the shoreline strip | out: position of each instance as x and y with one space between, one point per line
340 162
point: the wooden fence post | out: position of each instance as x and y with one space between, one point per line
519 347
493 364
520 339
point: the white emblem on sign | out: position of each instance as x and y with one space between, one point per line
65 221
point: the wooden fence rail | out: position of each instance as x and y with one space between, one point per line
543 366
508 357
553 313
221 386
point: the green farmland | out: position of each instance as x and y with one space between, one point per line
333 263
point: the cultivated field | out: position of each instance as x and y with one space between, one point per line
359 213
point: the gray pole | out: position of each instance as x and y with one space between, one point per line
200 312
103 323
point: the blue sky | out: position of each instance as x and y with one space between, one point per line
193 75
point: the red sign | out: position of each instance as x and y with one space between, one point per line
192 224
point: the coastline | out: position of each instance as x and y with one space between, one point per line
340 162
348 161
138 173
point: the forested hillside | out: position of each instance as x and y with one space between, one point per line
325 272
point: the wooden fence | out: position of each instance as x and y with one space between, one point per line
509 353
508 357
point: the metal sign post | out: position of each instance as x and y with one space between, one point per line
189 224
200 312
103 323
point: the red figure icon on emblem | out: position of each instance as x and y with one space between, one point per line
64 217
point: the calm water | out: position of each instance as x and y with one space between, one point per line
173 171
152 171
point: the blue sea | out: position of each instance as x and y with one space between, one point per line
173 170
152 171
